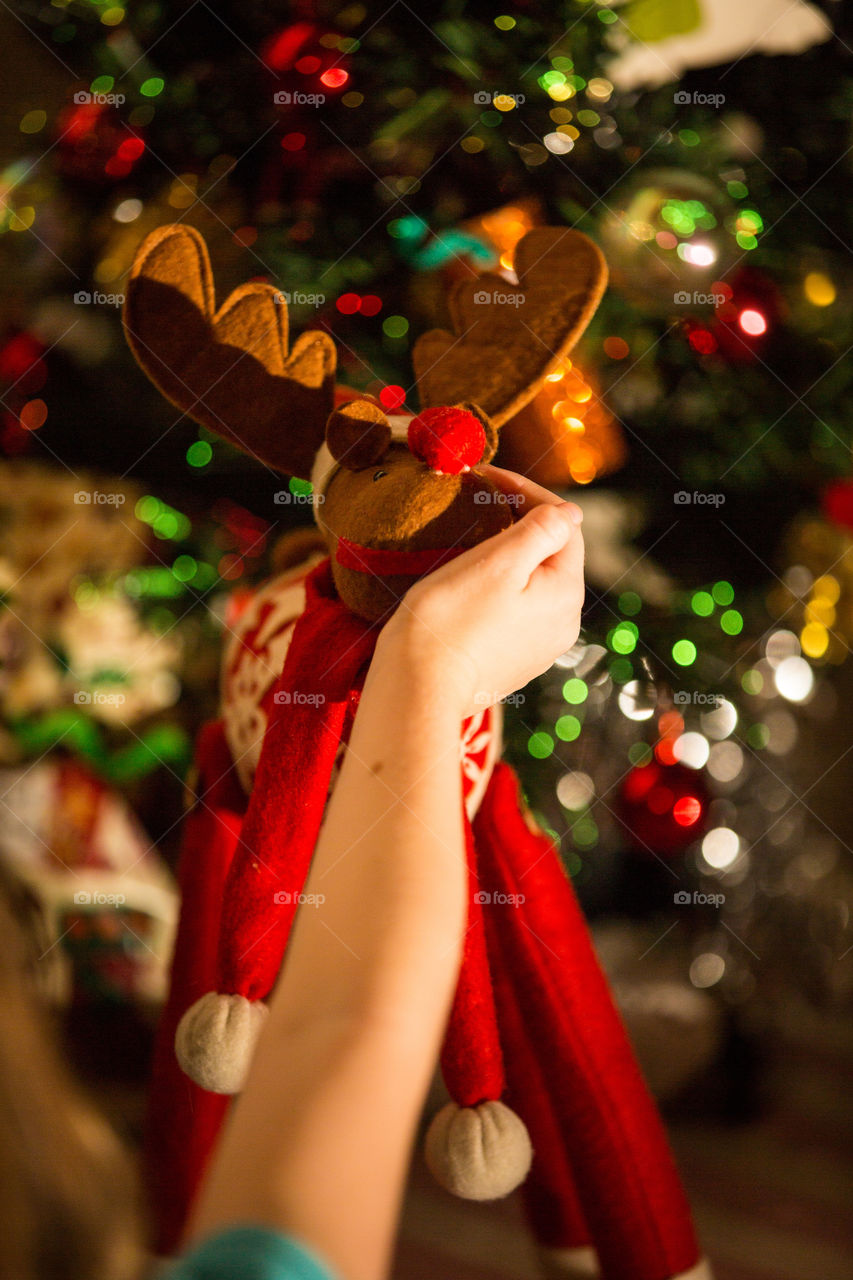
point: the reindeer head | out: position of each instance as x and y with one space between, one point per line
393 496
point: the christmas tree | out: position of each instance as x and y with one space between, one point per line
363 160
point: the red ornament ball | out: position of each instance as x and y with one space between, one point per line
663 807
449 440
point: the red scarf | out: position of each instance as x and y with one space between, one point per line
326 661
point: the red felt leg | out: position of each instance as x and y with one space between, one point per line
625 1175
471 1059
550 1195
183 1120
476 1146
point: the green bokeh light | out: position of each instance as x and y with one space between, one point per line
623 637
575 691
395 327
540 745
199 453
684 652
568 728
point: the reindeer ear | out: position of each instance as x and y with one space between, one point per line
491 431
229 369
507 338
358 434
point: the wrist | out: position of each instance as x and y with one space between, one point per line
429 667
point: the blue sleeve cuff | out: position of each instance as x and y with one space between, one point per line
249 1253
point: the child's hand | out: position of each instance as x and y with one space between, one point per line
485 624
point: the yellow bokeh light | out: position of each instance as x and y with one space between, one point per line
560 92
819 289
503 102
820 610
828 587
814 640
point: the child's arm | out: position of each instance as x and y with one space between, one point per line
319 1142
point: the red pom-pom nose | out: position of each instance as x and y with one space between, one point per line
448 440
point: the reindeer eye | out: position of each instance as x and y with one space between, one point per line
379 475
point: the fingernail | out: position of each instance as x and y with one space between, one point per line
575 512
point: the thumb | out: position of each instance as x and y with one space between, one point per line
540 533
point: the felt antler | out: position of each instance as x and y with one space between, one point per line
507 338
228 369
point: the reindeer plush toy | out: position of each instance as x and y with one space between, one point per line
543 1084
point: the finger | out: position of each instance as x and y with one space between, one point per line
527 491
541 533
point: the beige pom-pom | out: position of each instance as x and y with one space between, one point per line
479 1153
216 1038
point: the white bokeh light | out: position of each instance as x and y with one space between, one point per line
636 701
720 722
692 749
720 847
794 679
575 790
